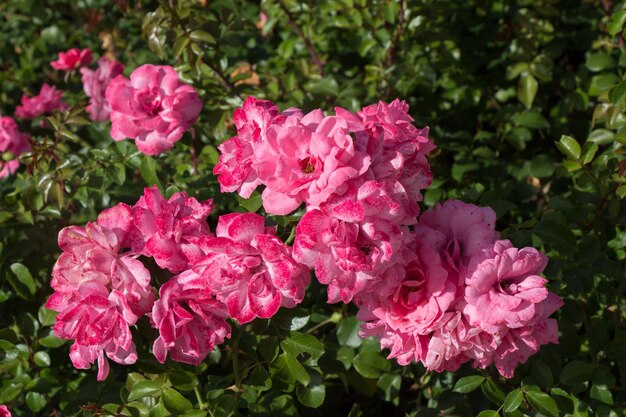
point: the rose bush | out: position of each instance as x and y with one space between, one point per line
405 237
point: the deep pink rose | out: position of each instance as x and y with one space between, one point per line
100 290
170 229
47 101
95 83
234 169
4 411
11 140
189 319
251 270
72 59
154 108
506 291
307 160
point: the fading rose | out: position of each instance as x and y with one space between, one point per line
189 319
251 270
47 101
72 59
95 83
11 140
153 108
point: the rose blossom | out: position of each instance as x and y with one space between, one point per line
249 269
95 83
170 229
47 101
99 290
72 59
4 411
11 140
234 168
307 160
506 291
189 319
154 108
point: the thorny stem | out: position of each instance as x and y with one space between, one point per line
307 42
199 398
235 357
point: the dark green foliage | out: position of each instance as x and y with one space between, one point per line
525 100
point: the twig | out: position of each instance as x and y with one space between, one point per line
391 52
305 39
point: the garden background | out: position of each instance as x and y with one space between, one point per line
524 99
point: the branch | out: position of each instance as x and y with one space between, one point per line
307 41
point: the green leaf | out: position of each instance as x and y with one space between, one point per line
531 119
348 332
527 90
601 83
179 46
601 393
313 395
616 23
251 204
260 379
569 146
576 373
599 61
42 359
118 172
22 281
488 413
35 401
148 169
298 343
543 403
147 388
46 317
326 86
371 364
175 402
183 380
288 369
468 383
513 400
493 392
51 341
588 152
601 137
555 234
202 36
618 93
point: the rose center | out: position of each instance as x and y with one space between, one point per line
150 102
508 286
307 166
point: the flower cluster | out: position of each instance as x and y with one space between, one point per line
47 101
437 288
102 288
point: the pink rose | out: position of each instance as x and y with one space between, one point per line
189 319
170 229
307 160
47 101
72 59
95 84
351 244
234 169
154 108
249 269
506 291
11 140
458 231
99 290
4 411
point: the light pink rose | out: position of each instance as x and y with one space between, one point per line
47 101
170 229
154 108
251 270
4 411
506 291
72 59
351 245
458 231
234 169
100 290
189 319
95 83
307 160
11 140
